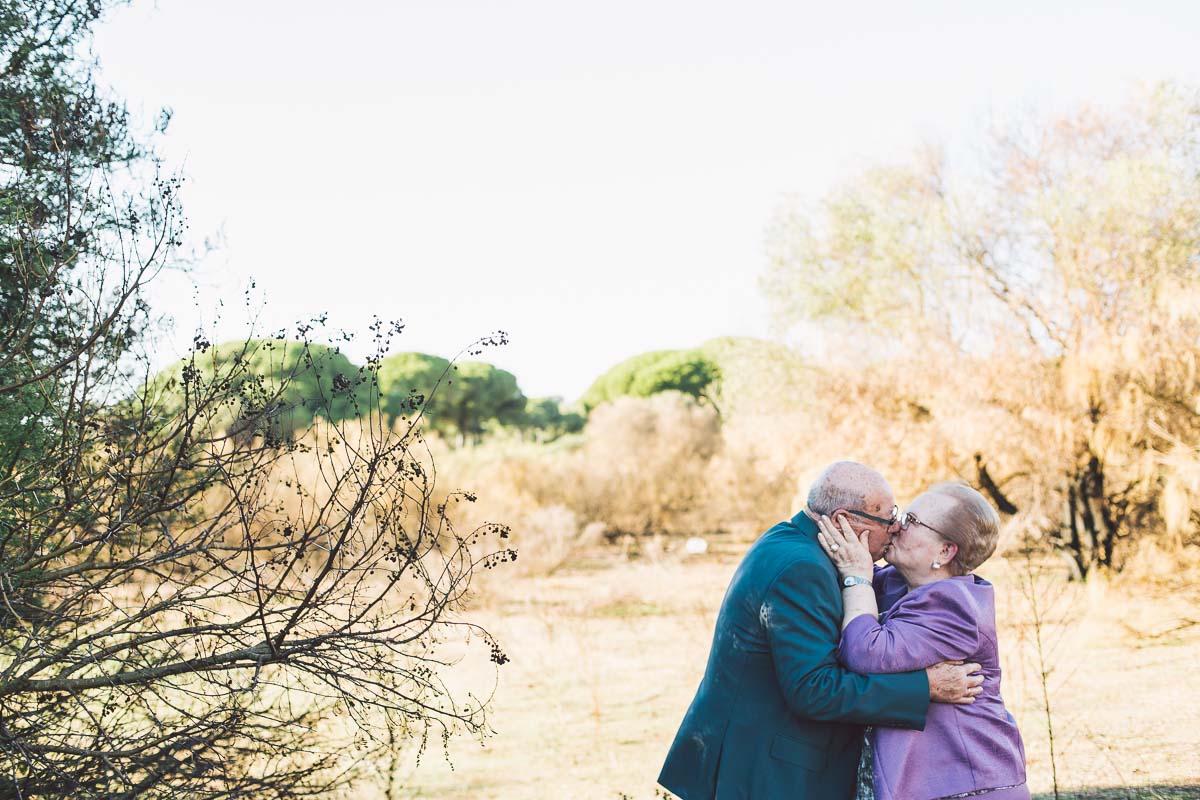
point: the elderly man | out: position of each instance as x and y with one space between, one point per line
775 716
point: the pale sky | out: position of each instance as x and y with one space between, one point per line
595 178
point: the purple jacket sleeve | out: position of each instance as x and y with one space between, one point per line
939 623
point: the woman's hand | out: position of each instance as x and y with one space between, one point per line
847 550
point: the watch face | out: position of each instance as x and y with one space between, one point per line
847 581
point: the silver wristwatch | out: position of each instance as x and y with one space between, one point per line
855 580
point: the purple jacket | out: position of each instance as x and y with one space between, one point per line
963 748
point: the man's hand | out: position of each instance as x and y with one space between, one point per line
952 682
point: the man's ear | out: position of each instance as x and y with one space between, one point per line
842 514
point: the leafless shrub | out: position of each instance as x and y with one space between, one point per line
188 604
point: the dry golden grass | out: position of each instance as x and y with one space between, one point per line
606 656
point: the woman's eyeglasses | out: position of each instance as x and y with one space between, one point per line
912 519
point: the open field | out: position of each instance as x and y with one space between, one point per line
606 656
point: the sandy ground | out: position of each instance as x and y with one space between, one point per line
605 659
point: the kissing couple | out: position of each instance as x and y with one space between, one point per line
813 642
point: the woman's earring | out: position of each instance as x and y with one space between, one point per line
936 565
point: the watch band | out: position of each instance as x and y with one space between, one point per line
855 580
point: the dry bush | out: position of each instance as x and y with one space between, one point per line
640 467
663 465
508 479
751 480
643 465
1129 461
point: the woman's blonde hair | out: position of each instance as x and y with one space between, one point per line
972 524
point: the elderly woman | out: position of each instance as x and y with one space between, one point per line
924 608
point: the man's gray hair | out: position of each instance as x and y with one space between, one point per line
843 484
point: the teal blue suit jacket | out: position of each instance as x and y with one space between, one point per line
776 717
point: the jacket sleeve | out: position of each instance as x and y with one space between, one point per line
940 624
801 614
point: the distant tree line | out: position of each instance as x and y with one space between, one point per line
462 401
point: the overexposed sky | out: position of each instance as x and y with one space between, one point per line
595 178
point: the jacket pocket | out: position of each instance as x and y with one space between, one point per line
802 754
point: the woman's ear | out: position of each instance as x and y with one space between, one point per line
949 551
